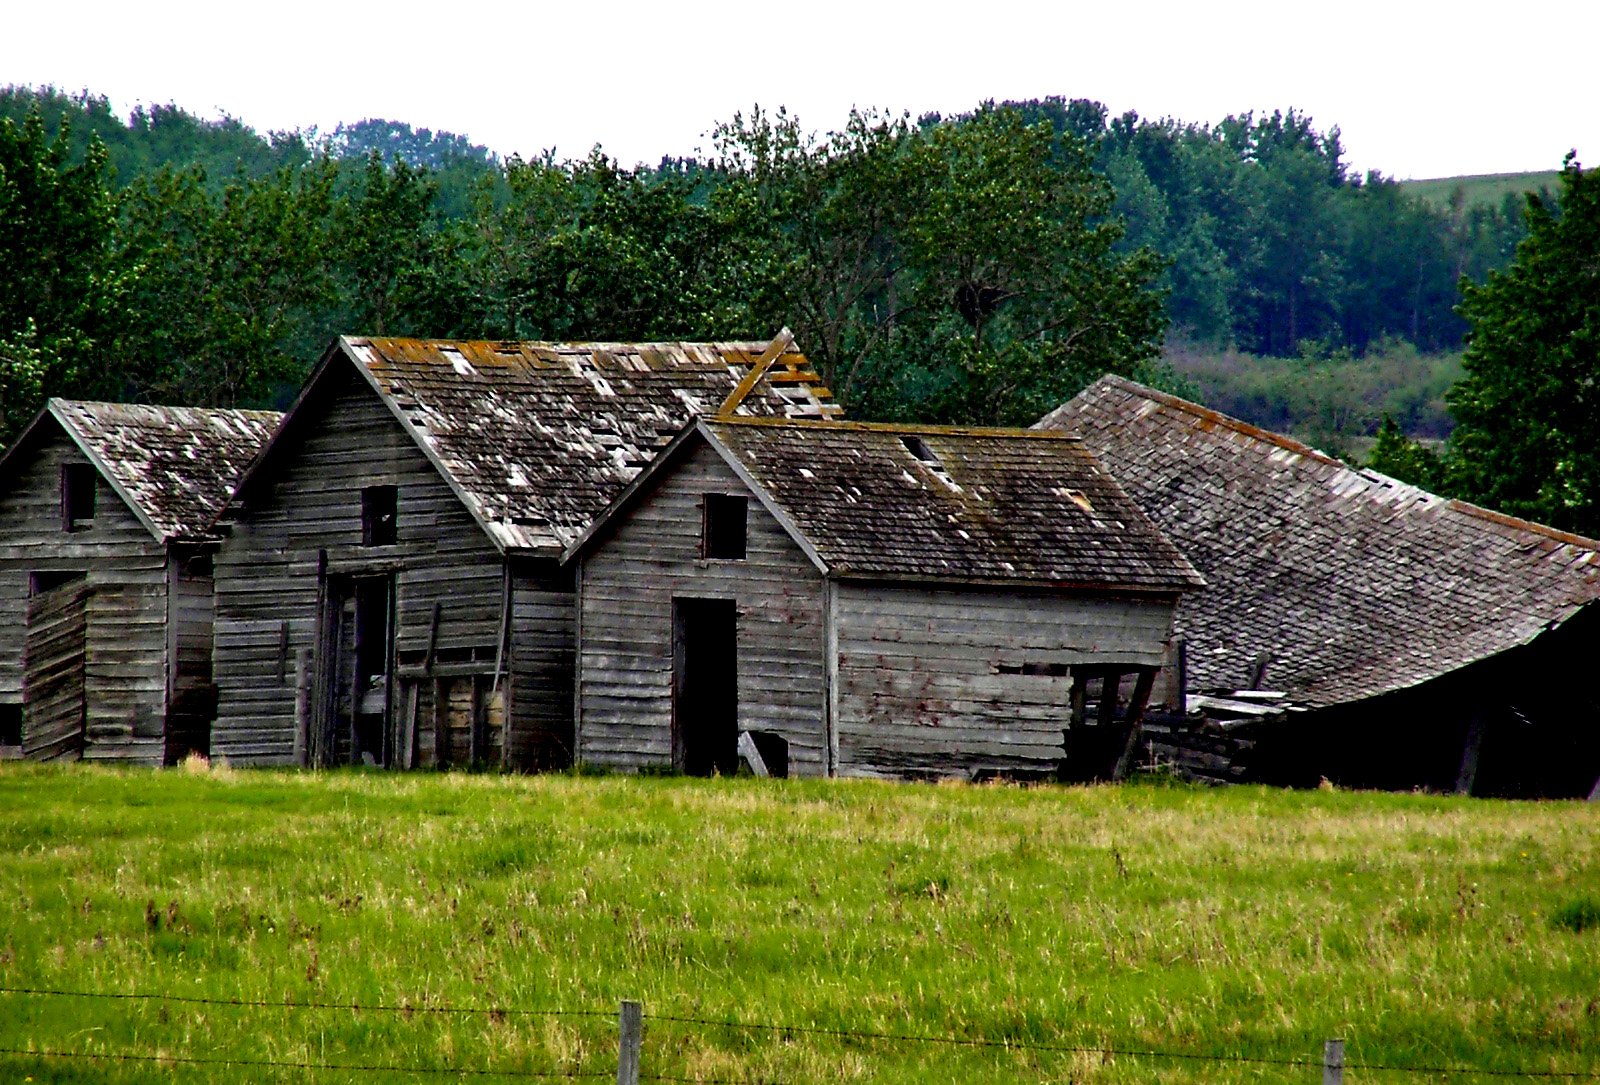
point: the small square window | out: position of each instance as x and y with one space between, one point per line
77 495
379 515
723 532
10 725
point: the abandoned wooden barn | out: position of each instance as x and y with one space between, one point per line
390 589
854 599
1352 626
105 579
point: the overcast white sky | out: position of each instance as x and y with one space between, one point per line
1418 89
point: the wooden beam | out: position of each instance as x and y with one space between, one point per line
441 723
1467 774
1133 724
433 636
1178 688
751 755
408 738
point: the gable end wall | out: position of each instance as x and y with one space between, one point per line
626 588
266 570
125 672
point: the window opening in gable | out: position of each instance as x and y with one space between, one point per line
10 725
725 529
380 525
77 495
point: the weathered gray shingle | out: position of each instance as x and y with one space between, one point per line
175 465
1353 583
538 437
935 503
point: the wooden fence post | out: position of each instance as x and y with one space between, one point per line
630 1032
1333 1062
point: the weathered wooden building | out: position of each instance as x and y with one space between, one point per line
1355 627
390 590
853 599
105 577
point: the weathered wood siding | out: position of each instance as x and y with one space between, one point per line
542 663
267 569
125 677
626 588
933 682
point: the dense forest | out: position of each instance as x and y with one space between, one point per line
975 268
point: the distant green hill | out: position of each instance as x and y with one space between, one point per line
1484 190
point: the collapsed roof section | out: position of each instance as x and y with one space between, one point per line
1344 583
535 438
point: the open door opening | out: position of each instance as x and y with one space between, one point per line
356 673
374 651
705 700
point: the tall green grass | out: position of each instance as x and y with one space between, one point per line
1246 922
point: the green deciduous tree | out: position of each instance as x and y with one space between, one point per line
963 269
61 290
234 286
1528 409
1397 456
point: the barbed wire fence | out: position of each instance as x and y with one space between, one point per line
630 1067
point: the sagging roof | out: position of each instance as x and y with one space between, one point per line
1353 584
174 466
535 438
942 503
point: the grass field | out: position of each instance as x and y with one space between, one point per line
1488 189
1426 931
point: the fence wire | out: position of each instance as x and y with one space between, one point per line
903 1039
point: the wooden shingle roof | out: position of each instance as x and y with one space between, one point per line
535 438
949 504
174 466
1352 583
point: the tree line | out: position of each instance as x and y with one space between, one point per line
978 268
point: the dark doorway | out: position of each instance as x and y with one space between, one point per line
355 673
705 699
374 649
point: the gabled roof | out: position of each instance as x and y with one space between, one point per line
943 504
173 466
1354 583
535 438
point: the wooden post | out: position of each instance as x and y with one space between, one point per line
478 714
1134 723
630 1035
1106 747
302 708
1333 1062
441 723
1179 701
408 739
1467 775
1258 670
